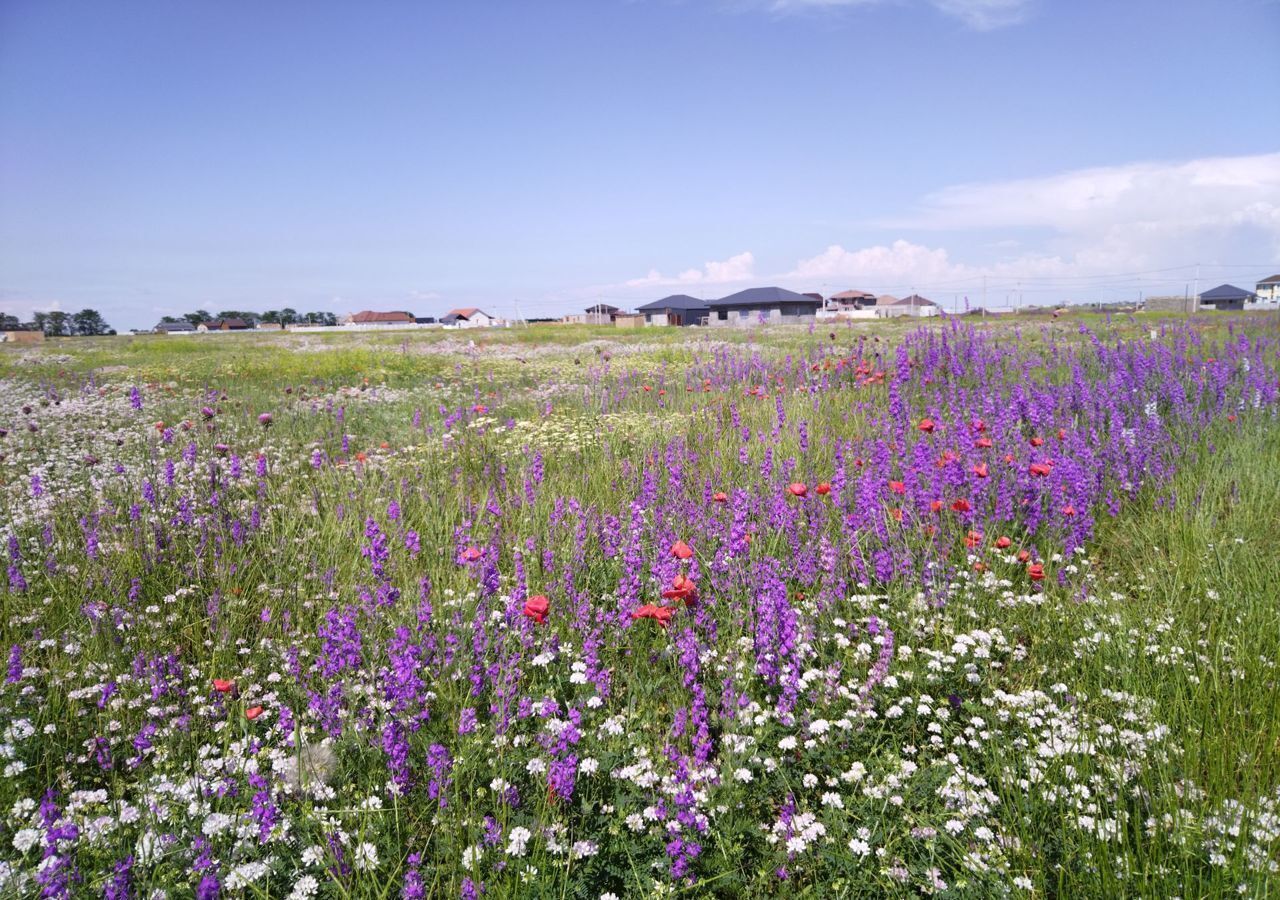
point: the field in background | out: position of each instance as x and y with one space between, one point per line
848 611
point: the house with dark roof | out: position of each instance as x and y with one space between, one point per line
232 324
678 310
1268 290
1226 297
757 306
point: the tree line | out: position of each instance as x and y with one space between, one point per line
56 323
284 316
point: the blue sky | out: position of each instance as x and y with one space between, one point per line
159 157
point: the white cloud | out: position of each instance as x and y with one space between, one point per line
980 15
1210 192
734 269
985 15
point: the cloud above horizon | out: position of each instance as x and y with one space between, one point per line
734 269
1113 226
979 15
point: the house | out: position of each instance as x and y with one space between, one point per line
596 314
1226 297
183 327
424 320
1268 290
469 317
851 299
1170 303
369 317
678 309
760 305
912 305
233 324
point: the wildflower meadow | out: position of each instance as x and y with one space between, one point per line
864 611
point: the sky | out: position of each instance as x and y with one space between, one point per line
533 158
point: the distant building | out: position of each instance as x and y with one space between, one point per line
851 300
233 324
370 317
1268 290
596 314
678 310
424 320
628 320
1226 297
1172 303
756 306
183 327
913 305
469 317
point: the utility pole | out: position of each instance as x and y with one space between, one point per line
984 296
1196 292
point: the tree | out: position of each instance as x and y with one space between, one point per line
200 315
271 316
89 322
164 319
288 316
53 324
9 322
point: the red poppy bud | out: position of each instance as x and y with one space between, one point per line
823 487
1003 543
1036 572
926 425
1024 555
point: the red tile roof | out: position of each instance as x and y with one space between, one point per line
371 317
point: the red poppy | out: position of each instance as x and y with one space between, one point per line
824 487
983 443
980 470
223 686
471 554
1036 441
660 614
1008 457
536 608
979 567
929 530
936 505
798 488
253 712
662 392
897 487
1231 418
896 513
962 506
647 389
1062 434
1036 572
682 588
1024 555
680 550
979 425
926 425
1069 510
480 408
947 457
1041 469
973 539
720 497
1003 543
